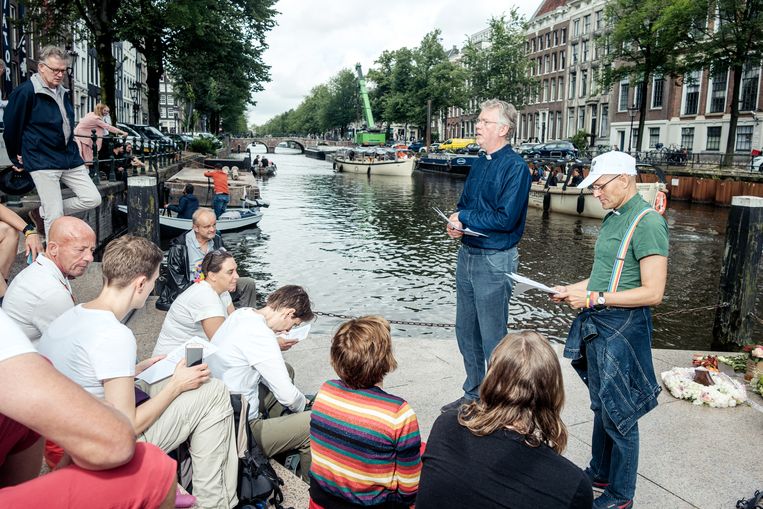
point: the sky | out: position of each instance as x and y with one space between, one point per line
314 40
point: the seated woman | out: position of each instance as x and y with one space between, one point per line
504 450
11 225
365 442
202 307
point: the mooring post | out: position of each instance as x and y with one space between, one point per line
741 258
143 208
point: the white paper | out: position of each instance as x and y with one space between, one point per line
166 367
297 333
467 231
529 282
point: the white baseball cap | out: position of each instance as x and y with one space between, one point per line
609 163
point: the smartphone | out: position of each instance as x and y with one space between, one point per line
193 355
29 258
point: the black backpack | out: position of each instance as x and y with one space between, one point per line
258 483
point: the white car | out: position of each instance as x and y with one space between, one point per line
756 164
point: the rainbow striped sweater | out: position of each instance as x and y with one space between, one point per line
365 446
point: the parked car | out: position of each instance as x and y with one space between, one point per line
456 144
153 134
416 146
526 147
471 149
434 147
181 140
756 164
553 150
134 136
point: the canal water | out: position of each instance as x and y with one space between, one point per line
365 245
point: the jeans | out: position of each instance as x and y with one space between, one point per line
220 203
483 291
48 184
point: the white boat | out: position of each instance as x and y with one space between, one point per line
399 167
581 202
234 218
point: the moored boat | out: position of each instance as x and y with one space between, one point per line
375 161
452 164
581 202
234 218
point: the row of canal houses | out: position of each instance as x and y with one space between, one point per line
20 49
562 44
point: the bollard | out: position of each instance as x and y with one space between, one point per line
744 243
143 208
94 173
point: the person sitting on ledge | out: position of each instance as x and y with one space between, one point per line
364 441
504 450
187 205
11 225
184 262
203 307
249 360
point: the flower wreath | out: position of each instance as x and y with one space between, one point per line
726 392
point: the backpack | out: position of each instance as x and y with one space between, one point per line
258 483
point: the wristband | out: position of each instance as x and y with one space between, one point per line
29 230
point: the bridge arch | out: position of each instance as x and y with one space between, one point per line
298 143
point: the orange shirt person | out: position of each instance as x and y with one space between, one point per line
220 178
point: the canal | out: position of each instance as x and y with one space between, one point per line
374 246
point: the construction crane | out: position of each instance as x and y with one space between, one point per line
371 135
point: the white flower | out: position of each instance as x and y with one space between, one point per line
725 393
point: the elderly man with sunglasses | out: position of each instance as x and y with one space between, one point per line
610 340
39 136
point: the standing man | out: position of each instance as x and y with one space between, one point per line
220 178
494 203
39 136
610 341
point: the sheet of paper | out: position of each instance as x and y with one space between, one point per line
529 282
297 333
467 231
166 367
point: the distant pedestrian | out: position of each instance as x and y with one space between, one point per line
38 134
83 133
220 178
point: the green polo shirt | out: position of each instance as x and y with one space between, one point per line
650 238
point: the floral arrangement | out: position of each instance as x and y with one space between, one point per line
724 392
755 352
756 384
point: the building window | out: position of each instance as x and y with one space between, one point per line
564 36
691 93
559 122
545 91
548 39
553 62
581 118
560 91
657 89
573 85
553 90
585 51
556 37
533 44
622 104
604 132
599 19
162 99
718 92
744 138
576 28
714 138
654 136
586 23
570 121
638 93
563 59
748 97
574 54
583 83
547 63
687 138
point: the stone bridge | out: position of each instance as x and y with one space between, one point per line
271 142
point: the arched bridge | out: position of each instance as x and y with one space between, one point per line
271 142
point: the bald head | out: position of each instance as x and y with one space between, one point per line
71 243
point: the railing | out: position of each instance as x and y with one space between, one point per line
677 156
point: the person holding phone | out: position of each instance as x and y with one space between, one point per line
89 345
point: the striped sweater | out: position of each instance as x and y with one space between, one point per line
365 446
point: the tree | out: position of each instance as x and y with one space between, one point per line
501 70
343 102
648 38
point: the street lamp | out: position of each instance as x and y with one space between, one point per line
135 88
632 112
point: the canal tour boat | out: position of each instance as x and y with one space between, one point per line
377 161
452 164
233 219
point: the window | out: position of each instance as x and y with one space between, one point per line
744 138
654 136
586 23
573 85
581 118
548 39
714 138
540 65
599 19
560 91
559 122
171 100
547 63
574 54
638 93
553 90
585 51
718 92
604 130
583 83
658 83
570 121
749 95
162 99
622 104
687 138
691 93
553 62
576 28
563 59
533 44
540 42
551 126
545 91
564 36
556 37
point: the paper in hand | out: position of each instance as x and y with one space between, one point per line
467 231
166 367
525 283
297 333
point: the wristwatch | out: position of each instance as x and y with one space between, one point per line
601 300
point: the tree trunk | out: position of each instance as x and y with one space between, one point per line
728 158
107 69
154 54
642 109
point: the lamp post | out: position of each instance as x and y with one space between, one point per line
632 112
135 88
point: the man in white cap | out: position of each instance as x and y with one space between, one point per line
610 340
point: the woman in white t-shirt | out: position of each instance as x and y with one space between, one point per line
203 307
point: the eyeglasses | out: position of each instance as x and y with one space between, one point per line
56 72
597 187
482 121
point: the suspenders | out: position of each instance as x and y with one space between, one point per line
617 268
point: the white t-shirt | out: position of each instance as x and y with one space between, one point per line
38 295
183 320
248 353
90 346
14 341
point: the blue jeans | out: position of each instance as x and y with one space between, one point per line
220 203
483 291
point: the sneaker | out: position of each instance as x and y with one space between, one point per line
598 485
607 502
453 405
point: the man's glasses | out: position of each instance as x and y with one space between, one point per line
597 187
481 121
57 72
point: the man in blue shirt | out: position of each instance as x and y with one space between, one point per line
187 205
494 203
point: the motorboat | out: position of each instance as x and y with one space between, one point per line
374 161
233 219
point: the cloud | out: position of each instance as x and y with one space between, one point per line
313 41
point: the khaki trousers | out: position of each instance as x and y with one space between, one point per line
48 184
204 418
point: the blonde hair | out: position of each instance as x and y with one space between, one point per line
522 390
99 109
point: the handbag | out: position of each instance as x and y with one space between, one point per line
15 183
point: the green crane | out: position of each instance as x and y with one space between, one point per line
370 136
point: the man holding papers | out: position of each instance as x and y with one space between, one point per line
494 203
249 360
610 340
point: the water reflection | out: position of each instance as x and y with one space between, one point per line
373 245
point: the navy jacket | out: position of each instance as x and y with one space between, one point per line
186 206
33 129
494 200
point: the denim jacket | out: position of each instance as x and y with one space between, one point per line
623 339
